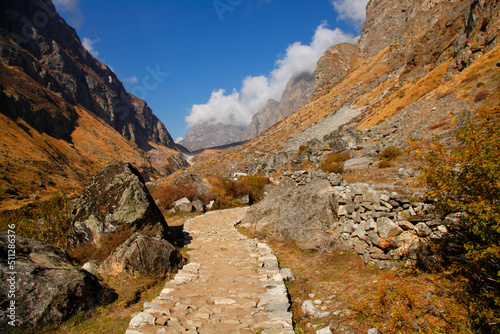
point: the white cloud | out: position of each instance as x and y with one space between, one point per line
89 45
178 140
238 107
354 10
131 80
70 7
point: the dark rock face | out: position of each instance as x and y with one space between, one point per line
49 289
35 38
142 255
261 120
116 197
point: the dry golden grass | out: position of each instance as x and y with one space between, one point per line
403 301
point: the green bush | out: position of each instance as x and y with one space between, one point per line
465 179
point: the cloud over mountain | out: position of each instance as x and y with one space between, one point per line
238 107
354 10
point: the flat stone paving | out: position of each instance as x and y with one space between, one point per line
232 284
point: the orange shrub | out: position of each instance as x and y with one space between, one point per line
171 193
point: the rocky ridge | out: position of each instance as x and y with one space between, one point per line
68 111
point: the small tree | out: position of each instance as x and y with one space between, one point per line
465 179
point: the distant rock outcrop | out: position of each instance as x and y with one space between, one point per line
117 198
48 288
211 135
142 255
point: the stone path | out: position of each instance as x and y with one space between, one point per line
232 284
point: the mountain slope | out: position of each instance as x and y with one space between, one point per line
418 64
66 113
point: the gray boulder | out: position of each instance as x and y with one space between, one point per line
116 198
183 205
198 205
48 288
142 255
300 213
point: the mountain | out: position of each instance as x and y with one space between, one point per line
211 135
417 65
297 93
63 113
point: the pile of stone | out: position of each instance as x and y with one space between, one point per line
303 177
383 227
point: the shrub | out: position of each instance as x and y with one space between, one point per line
302 149
228 191
333 163
465 179
390 153
384 164
45 220
171 193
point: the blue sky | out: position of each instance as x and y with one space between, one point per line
211 58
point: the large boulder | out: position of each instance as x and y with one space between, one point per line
48 289
292 212
116 198
142 255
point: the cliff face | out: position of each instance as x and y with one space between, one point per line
67 113
36 39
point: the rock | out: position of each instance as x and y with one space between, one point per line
387 229
308 308
406 225
116 198
142 255
373 331
301 213
245 199
202 188
48 288
183 205
325 330
142 319
92 267
422 230
287 274
198 205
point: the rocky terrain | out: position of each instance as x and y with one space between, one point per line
63 112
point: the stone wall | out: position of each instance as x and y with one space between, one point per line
385 227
